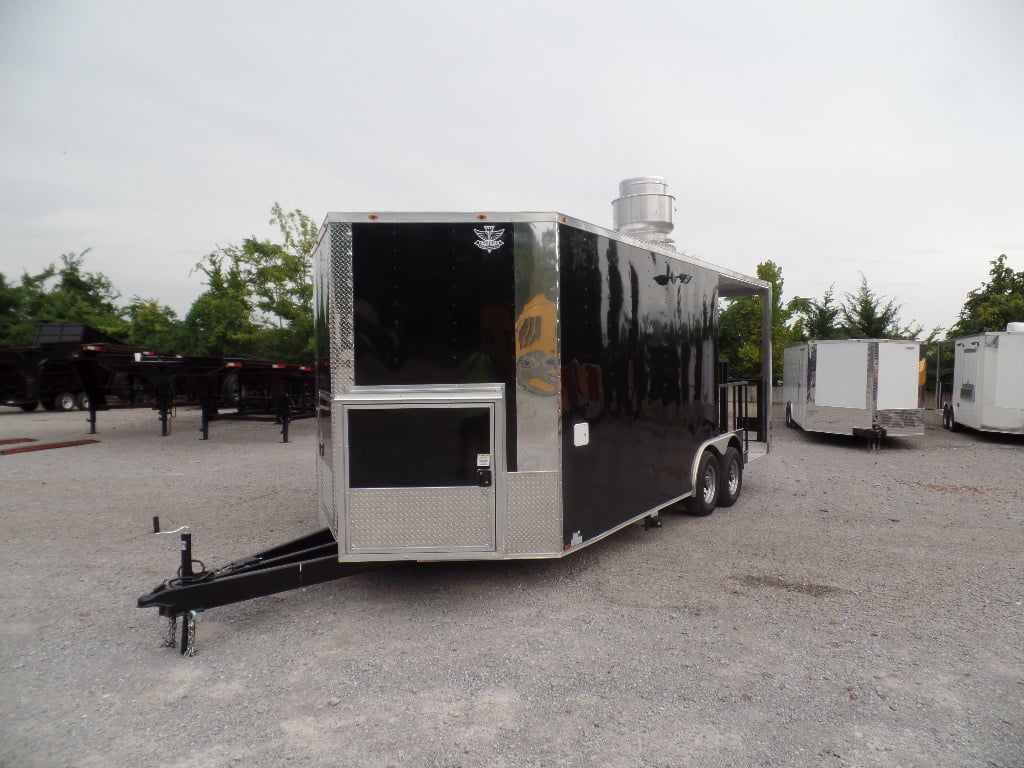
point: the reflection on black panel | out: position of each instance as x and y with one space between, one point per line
416 447
431 306
638 353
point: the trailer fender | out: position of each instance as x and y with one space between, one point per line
707 459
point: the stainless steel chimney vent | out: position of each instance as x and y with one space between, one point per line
644 209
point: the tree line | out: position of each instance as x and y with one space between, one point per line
863 314
258 303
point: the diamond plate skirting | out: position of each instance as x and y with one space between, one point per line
534 514
837 421
325 495
390 519
903 421
341 312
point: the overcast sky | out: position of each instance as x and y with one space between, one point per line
883 137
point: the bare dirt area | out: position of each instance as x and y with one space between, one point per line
855 608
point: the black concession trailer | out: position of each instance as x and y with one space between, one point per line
513 385
504 385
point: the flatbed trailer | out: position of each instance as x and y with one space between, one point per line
254 390
495 386
66 374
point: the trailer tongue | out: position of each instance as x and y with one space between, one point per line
309 560
497 386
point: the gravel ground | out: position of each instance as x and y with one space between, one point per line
855 608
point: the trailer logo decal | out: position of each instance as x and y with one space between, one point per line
490 238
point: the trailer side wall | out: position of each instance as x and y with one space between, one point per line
987 374
638 352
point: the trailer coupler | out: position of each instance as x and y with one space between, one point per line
312 559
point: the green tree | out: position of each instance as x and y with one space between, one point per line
816 320
866 315
994 304
153 326
259 297
59 294
84 297
10 312
740 328
220 320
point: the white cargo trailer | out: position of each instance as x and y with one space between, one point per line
864 387
988 382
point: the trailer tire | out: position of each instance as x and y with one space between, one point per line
231 390
65 401
28 407
732 478
705 494
82 401
789 416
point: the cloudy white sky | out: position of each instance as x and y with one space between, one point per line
883 137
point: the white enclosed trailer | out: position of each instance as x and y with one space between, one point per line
865 387
988 382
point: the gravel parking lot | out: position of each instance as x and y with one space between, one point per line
855 608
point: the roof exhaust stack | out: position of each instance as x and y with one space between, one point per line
644 209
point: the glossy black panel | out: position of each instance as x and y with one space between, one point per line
416 447
638 365
432 306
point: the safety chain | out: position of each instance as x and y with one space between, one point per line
188 648
172 632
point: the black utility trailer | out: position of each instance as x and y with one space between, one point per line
42 374
496 386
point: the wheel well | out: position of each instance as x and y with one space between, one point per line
717 447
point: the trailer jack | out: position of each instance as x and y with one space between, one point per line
874 436
309 560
